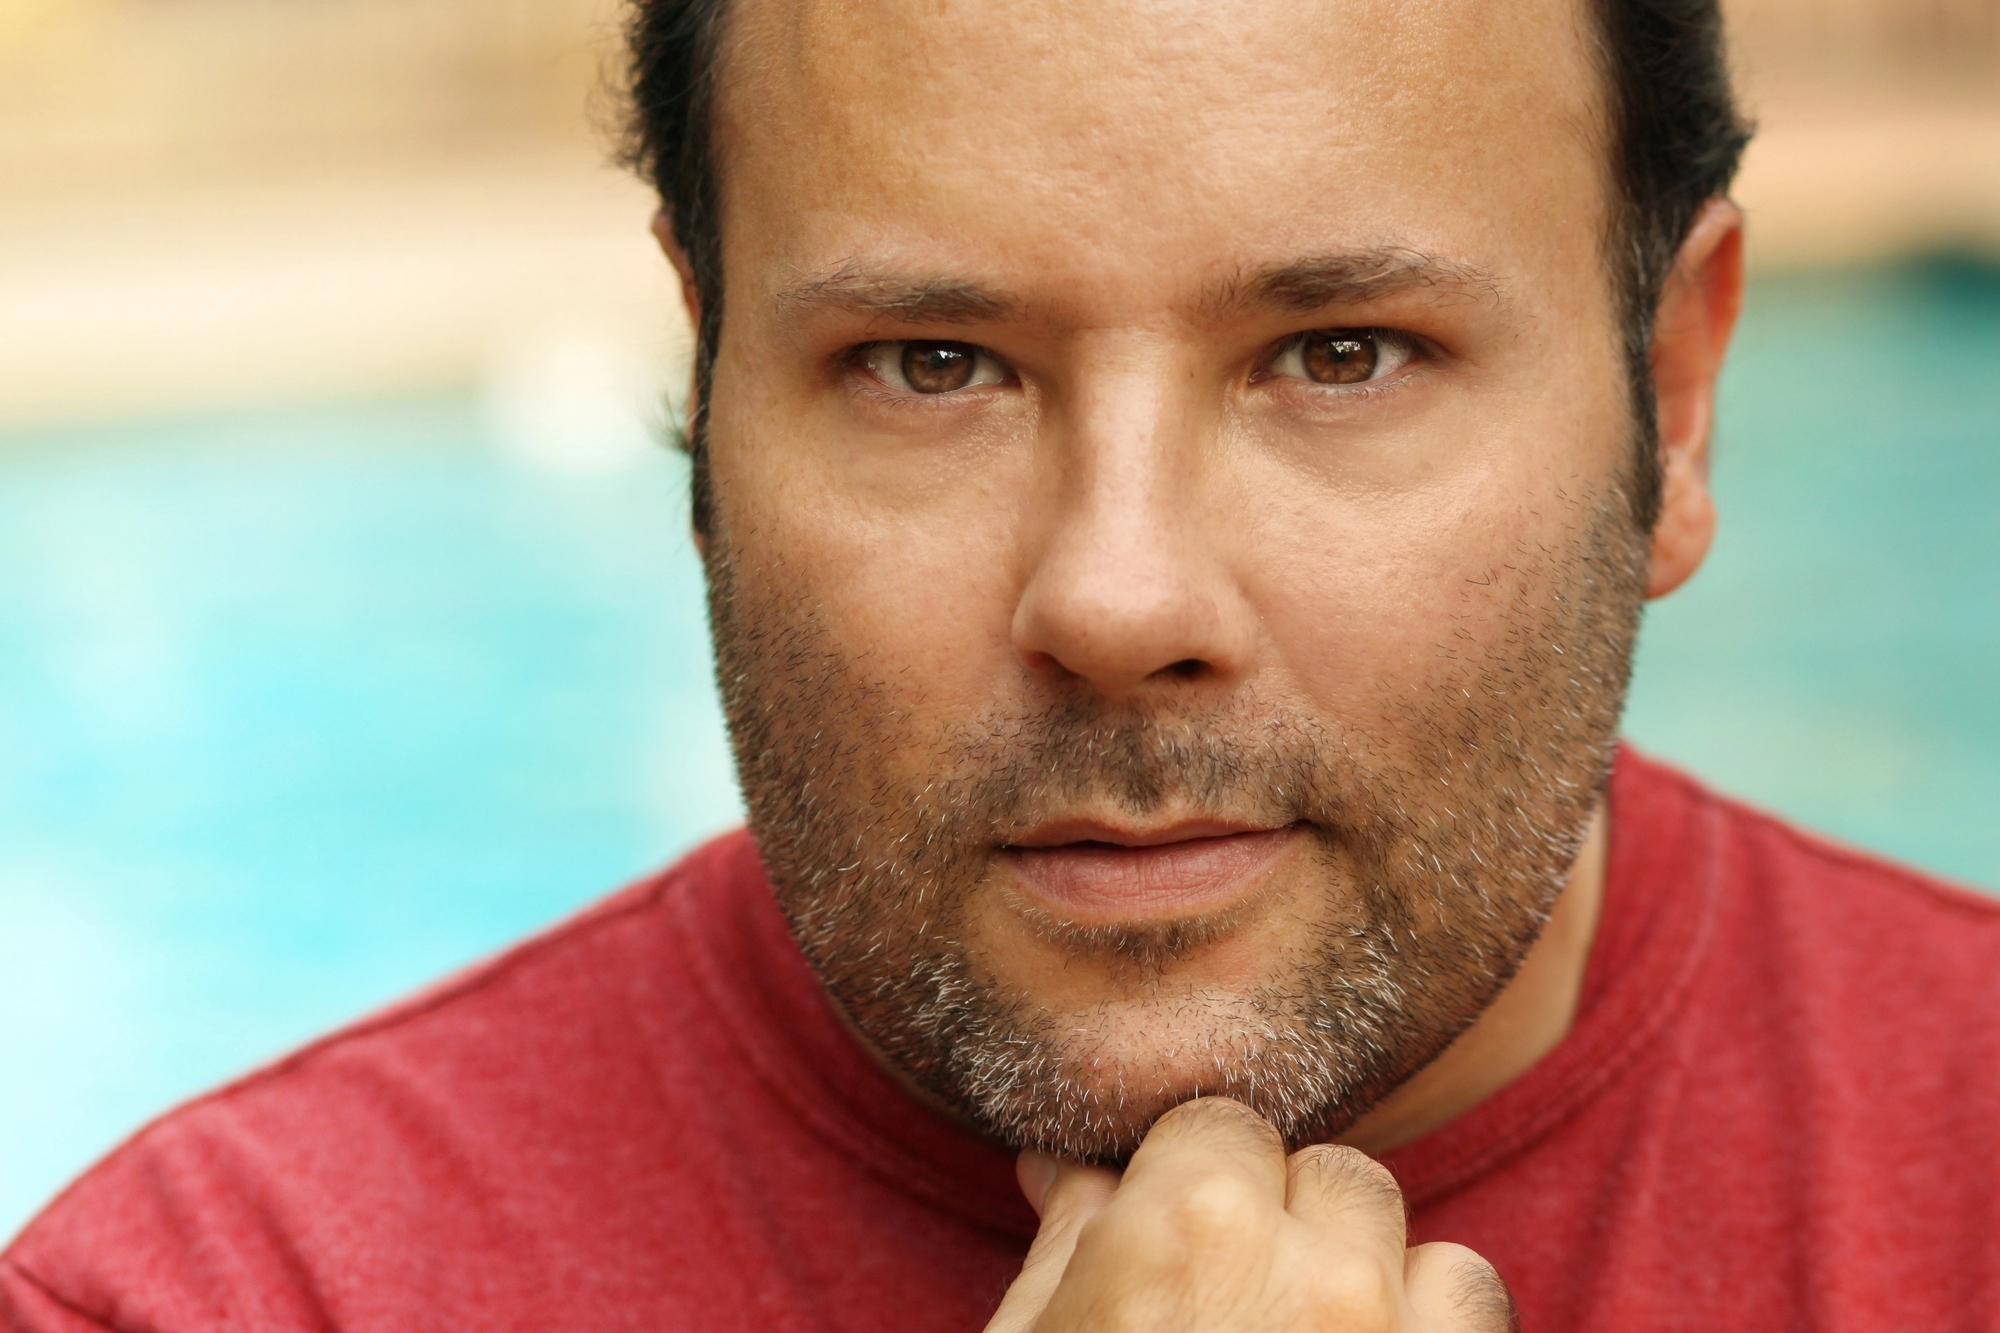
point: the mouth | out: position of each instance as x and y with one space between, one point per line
1092 872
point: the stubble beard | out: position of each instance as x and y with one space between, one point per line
1440 850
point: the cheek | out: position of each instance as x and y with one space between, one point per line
1373 598
1364 608
911 569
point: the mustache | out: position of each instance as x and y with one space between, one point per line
1016 771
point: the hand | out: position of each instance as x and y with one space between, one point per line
1214 1230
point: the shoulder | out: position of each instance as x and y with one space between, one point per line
1774 851
1831 919
214 1215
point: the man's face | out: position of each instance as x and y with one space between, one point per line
1171 571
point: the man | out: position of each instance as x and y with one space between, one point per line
1177 484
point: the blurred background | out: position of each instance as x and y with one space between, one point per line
348 624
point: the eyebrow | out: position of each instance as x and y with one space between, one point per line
1301 285
928 300
1356 278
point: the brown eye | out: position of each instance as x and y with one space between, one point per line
937 367
1341 357
931 369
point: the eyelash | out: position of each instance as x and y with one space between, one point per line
862 380
1416 351
1413 350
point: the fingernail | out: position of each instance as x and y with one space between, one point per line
1036 1171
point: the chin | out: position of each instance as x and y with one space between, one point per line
1090 1084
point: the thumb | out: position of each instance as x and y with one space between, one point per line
1066 1194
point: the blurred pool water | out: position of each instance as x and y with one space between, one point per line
299 710
1838 658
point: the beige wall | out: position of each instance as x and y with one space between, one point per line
163 90
1879 126
1914 43
233 201
218 203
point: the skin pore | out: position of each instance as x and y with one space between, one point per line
1159 667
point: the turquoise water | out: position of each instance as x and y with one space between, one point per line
297 711
1838 657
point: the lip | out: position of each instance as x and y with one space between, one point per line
1097 872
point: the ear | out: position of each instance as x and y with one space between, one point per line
670 246
1691 331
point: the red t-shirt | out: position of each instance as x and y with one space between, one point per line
1779 1108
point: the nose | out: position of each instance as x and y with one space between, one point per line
1130 587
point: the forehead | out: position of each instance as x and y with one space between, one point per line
1075 142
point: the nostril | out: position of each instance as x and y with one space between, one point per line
1187 668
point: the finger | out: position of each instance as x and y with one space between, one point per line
1210 1138
1333 1186
1453 1290
1066 1194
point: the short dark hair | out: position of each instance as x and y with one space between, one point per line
1675 133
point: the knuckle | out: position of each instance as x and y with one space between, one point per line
1222 1115
1352 1291
1207 1219
1323 1163
1204 1220
1217 1209
1481 1298
1335 1168
1358 1168
1469 1287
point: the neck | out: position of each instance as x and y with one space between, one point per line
1532 1013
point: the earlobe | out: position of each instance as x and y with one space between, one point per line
1685 529
1691 331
